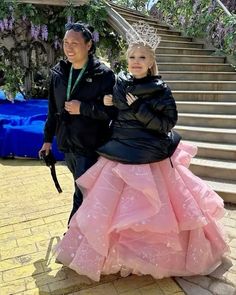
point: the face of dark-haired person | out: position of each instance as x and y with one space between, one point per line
76 48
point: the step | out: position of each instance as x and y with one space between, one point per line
217 135
160 27
182 51
180 44
207 107
133 18
202 85
209 168
215 150
189 58
196 67
130 13
225 189
136 18
208 96
180 38
200 76
207 120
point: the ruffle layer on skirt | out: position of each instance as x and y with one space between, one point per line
147 219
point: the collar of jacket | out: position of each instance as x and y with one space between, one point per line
62 68
129 79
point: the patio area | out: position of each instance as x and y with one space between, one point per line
34 217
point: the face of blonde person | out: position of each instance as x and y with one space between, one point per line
75 48
139 61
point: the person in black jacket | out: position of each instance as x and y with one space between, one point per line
147 113
76 114
143 213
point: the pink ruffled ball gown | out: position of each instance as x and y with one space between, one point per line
149 219
154 218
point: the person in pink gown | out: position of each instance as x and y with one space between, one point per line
144 211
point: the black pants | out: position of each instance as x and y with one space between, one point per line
78 165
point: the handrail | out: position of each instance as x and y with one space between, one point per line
224 8
117 21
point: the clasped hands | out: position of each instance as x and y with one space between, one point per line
73 107
107 99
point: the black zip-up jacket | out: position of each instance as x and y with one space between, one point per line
141 132
84 132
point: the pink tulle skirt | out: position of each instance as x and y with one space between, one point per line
145 219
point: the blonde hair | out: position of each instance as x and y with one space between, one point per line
150 53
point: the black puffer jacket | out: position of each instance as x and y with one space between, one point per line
84 132
140 132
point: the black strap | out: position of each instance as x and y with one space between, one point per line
54 177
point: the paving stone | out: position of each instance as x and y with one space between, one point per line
151 290
28 224
12 287
132 292
233 268
21 272
39 280
70 285
132 282
231 278
202 281
28 249
229 222
221 272
168 286
233 243
42 291
192 289
219 288
9 244
230 231
99 290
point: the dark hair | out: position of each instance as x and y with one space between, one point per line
86 30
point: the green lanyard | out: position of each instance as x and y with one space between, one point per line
69 91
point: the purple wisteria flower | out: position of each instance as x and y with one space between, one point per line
95 36
44 32
10 24
37 31
10 9
5 22
57 44
182 20
69 19
196 5
2 28
34 30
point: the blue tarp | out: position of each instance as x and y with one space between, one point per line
21 128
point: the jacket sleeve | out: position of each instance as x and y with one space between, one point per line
96 109
119 95
158 114
50 125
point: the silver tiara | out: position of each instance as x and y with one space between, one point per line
141 32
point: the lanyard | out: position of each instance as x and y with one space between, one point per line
69 91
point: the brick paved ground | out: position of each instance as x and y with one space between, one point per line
33 216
